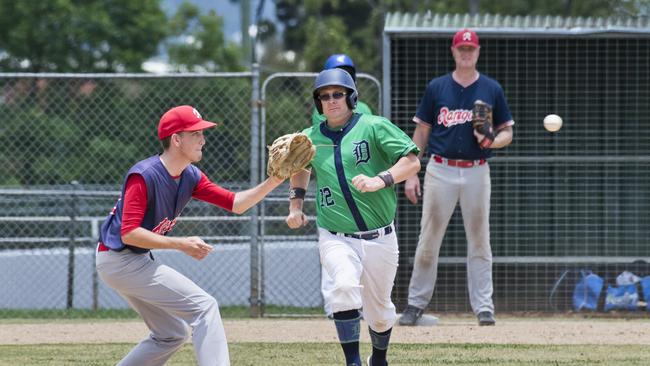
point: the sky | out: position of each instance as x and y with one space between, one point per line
228 10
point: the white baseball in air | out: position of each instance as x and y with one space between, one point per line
552 122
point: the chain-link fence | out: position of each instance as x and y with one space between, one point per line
66 142
566 201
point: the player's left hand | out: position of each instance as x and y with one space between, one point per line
195 247
481 139
296 219
479 136
363 183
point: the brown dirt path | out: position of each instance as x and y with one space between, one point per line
545 330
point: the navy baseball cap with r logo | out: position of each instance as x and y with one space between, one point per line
182 118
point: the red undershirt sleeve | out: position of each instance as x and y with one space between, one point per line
210 192
134 203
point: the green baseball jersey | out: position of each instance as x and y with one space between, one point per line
367 144
361 107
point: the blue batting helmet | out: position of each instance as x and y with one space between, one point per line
335 77
342 61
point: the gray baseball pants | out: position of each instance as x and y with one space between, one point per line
444 186
168 302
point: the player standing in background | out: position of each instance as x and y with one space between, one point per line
355 207
341 61
457 171
154 193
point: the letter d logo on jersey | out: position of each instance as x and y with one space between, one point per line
361 151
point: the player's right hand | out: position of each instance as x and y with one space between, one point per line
195 247
296 219
412 189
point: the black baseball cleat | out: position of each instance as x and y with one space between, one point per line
410 315
370 361
486 318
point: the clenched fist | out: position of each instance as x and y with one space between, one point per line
296 219
364 183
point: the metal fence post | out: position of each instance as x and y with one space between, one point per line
71 244
255 299
94 225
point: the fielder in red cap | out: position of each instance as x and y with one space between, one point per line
154 193
182 118
457 172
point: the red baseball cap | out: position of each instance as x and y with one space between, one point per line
465 37
182 118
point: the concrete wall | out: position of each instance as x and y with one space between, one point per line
37 279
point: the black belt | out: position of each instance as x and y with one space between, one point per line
367 235
101 247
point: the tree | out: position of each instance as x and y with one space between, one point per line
79 36
317 28
199 43
314 29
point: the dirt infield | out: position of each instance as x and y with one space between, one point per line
457 329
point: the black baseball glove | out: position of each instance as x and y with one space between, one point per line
482 123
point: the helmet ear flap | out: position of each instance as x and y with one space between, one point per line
351 99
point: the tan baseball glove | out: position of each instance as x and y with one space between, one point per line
289 154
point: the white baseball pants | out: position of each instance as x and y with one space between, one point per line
363 274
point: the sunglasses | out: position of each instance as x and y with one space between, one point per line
335 95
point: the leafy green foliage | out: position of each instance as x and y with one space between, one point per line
200 44
79 36
315 29
55 130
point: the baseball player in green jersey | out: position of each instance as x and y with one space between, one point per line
340 61
358 160
344 62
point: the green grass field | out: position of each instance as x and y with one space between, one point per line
301 354
243 352
11 315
